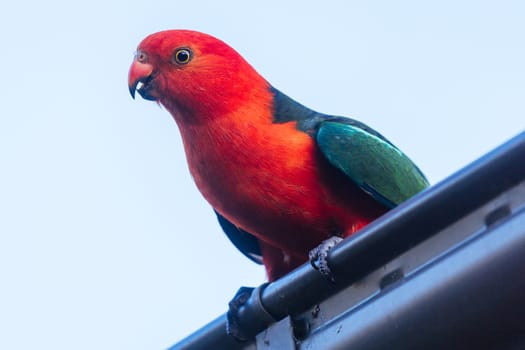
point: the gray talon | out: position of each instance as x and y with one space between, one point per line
318 256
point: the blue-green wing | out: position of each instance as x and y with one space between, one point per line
244 241
363 154
370 160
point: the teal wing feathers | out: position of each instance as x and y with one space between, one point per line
364 155
373 163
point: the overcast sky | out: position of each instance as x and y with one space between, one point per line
105 243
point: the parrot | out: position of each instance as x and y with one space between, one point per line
287 183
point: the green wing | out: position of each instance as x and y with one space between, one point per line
370 160
363 154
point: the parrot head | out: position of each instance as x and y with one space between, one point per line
190 73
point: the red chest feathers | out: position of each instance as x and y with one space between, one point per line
270 180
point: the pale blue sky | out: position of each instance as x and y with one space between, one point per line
105 242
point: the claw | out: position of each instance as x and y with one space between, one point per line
318 257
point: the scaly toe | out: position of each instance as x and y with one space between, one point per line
318 256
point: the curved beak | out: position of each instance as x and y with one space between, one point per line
140 73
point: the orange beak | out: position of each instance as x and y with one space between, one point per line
141 73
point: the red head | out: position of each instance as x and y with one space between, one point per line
192 74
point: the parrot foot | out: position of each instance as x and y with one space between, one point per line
318 257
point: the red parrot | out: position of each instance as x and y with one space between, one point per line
281 177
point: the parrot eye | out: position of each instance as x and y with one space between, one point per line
141 56
182 56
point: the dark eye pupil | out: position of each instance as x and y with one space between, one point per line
141 56
182 56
